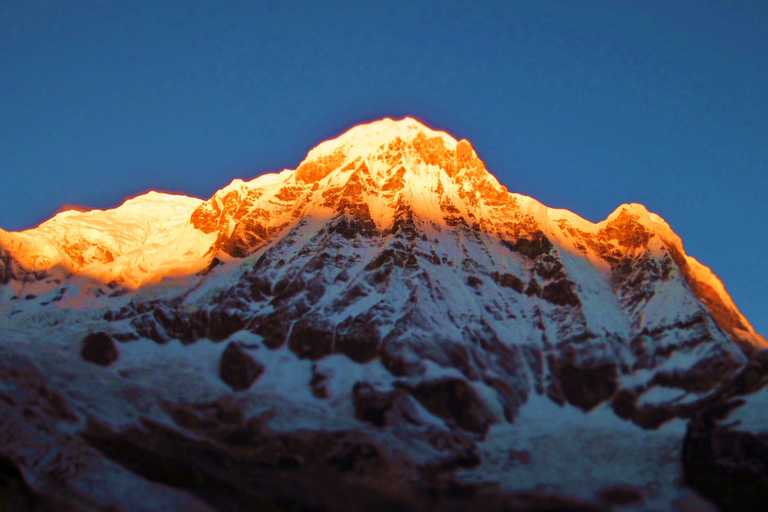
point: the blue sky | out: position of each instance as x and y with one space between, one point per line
582 105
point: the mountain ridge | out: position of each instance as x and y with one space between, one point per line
365 174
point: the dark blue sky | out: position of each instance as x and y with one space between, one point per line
582 105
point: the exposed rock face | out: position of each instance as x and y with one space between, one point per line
455 400
238 369
725 462
238 464
40 462
99 348
588 387
16 495
373 406
729 467
309 341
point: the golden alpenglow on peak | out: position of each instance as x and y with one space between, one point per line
403 141
370 186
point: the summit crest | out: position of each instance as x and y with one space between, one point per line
392 141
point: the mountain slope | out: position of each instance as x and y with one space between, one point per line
144 239
389 281
369 183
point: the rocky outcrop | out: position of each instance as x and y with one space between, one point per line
382 408
587 385
237 368
457 402
237 463
732 384
311 339
727 464
99 348
40 456
17 495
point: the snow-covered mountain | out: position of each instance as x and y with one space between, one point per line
396 324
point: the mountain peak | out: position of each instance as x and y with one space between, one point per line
405 141
366 138
388 182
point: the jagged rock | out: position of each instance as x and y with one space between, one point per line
727 466
373 406
237 368
649 417
398 359
702 376
587 387
509 281
310 341
624 404
531 247
752 377
534 288
455 400
99 348
511 402
319 382
560 293
273 328
723 462
459 356
474 281
223 323
358 339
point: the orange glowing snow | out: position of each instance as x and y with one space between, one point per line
373 170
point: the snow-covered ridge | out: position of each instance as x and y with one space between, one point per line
378 175
146 238
364 139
